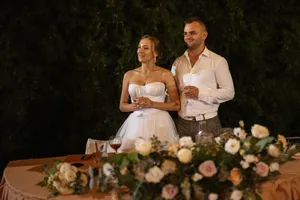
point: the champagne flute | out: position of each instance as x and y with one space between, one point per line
115 142
182 85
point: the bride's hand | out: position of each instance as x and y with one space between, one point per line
143 102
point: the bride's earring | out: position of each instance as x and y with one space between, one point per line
154 59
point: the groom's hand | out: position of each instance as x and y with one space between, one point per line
191 91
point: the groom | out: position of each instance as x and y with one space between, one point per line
204 81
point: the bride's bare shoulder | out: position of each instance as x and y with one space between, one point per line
164 71
132 72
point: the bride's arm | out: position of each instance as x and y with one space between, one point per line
124 105
172 105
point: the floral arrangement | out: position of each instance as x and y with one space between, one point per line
63 179
231 166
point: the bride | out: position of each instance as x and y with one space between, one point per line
146 87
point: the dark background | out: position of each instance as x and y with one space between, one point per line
62 64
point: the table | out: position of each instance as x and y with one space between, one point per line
20 179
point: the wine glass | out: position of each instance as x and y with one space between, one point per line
138 92
182 85
115 142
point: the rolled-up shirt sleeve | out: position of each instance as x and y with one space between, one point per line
225 87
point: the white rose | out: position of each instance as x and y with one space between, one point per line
240 133
232 146
70 175
108 169
186 141
154 175
65 167
245 164
250 158
274 167
184 155
236 195
273 150
143 147
196 177
213 196
259 131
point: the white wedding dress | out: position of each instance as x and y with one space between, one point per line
148 121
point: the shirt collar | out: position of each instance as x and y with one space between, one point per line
206 52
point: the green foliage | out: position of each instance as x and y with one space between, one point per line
62 65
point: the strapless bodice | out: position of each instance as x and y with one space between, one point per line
154 91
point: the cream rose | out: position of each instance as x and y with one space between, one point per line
259 131
184 155
274 167
70 175
65 167
250 158
168 166
273 151
143 147
154 175
245 164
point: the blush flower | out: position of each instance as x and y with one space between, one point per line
262 169
169 191
207 168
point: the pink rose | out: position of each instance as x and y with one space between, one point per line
208 168
169 191
262 169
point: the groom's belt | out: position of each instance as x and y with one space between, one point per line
200 117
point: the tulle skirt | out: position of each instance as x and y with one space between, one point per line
145 124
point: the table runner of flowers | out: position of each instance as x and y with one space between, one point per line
232 166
